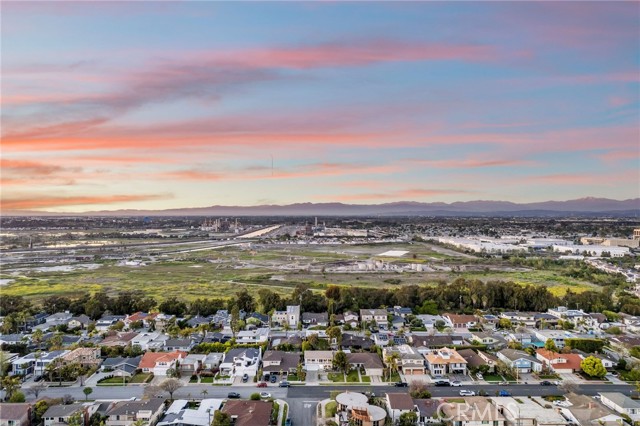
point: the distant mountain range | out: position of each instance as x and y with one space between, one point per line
582 207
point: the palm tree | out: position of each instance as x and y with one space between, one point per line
204 393
392 362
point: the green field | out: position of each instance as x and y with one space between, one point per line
222 272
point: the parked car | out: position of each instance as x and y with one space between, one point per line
284 384
504 392
442 383
401 384
465 392
273 379
245 378
545 383
262 384
456 383
233 395
479 376
265 395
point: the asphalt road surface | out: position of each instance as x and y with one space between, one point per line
304 399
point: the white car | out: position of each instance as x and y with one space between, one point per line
265 395
479 376
465 392
456 383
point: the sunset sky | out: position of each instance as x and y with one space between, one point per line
154 105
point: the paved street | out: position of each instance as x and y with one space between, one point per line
303 399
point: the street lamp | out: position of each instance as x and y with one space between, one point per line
209 413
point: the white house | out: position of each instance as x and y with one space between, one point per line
621 403
257 336
318 360
240 361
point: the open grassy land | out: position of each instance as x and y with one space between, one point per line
201 270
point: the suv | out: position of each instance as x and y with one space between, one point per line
401 384
442 383
273 379
284 384
465 392
233 395
245 378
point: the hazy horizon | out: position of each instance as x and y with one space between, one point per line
162 105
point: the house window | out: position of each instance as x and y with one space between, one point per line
11 422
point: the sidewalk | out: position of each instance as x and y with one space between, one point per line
281 403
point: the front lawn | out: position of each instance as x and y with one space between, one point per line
395 377
331 408
142 378
336 377
292 378
366 379
206 379
113 381
353 376
492 378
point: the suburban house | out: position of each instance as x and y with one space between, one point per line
445 361
427 410
352 319
371 362
81 321
107 321
431 321
178 345
240 361
257 318
118 339
147 319
178 413
409 361
60 318
435 341
474 411
192 363
354 408
18 414
248 413
351 341
400 311
621 403
475 360
311 319
527 319
460 321
87 357
279 362
35 362
526 412
290 317
121 366
559 363
586 411
490 340
377 316
213 360
159 362
398 404
525 339
150 340
58 415
127 413
558 336
381 339
520 361
256 336
318 360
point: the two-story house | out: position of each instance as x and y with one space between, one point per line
318 360
18 414
289 317
255 336
87 357
559 363
59 415
460 321
409 360
445 361
374 316
240 361
150 340
312 319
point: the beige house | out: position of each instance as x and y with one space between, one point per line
445 361
318 360
87 357
475 411
15 414
126 413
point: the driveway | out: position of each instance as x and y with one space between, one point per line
93 380
312 377
410 378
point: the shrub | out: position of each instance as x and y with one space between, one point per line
255 396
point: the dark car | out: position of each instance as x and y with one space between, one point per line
545 383
401 384
233 395
442 383
245 378
284 384
273 379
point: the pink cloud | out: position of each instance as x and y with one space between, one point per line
40 202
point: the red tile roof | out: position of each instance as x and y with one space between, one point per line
150 359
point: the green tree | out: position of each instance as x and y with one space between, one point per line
17 396
255 396
75 420
408 419
505 324
335 333
222 419
550 345
10 384
87 391
340 362
593 367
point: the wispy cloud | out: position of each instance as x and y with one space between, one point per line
44 201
